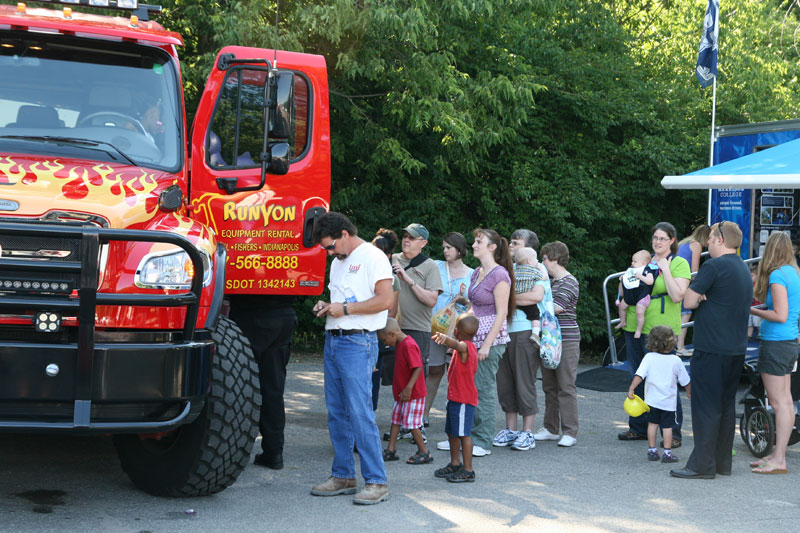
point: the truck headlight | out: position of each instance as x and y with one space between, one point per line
170 270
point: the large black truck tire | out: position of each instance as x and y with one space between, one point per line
207 455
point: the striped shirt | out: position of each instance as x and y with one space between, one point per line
565 295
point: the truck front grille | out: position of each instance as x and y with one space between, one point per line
55 249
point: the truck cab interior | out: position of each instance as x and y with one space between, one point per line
60 95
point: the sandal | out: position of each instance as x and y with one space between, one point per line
390 455
420 458
768 468
462 476
449 469
757 464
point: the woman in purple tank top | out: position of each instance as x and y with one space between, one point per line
691 248
492 297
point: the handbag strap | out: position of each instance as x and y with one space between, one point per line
449 279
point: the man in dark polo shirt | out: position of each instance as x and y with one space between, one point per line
721 293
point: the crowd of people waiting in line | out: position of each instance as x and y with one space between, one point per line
389 299
378 297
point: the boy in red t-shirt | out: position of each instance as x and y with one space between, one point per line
409 392
462 397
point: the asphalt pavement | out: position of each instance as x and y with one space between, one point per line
59 483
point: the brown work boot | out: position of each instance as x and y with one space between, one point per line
335 486
373 493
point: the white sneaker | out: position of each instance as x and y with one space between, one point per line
525 441
443 445
477 451
543 434
505 437
567 441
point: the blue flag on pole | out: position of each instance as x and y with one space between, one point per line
707 56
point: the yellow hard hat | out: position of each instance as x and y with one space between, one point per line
636 406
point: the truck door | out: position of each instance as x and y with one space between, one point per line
265 227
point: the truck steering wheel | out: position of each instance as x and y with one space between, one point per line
115 116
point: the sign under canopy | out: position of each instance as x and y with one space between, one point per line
776 167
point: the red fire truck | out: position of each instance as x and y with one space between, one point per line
121 231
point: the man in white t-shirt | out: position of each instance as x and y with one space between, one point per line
361 294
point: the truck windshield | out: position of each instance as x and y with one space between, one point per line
119 102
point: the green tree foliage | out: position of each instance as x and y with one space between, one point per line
559 116
206 26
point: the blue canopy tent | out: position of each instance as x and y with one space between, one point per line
776 167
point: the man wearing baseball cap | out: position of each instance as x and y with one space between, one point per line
420 285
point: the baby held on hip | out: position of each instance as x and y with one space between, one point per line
636 285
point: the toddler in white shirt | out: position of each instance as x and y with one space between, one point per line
663 370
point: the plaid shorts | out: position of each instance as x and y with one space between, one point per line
408 415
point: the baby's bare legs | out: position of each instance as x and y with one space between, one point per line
623 314
622 308
640 309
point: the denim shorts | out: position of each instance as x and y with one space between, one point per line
423 340
438 354
777 358
459 419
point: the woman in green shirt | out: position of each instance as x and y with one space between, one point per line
664 310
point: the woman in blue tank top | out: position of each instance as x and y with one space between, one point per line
778 284
455 284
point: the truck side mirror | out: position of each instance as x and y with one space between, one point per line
282 97
279 159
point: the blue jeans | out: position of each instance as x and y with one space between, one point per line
376 381
634 353
349 361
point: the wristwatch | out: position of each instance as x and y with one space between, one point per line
345 308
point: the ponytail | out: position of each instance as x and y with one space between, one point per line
502 255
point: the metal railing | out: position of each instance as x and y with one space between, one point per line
611 322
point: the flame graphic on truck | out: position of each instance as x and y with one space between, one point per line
79 182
